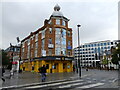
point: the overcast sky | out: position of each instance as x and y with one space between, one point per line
99 20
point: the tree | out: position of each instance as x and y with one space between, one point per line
5 59
115 57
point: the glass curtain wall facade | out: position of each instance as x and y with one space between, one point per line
90 53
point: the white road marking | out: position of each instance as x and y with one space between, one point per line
37 86
91 85
31 84
114 80
53 84
70 85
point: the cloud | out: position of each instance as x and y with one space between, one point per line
98 19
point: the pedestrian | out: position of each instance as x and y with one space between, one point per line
23 68
3 71
73 68
11 73
86 68
42 71
32 68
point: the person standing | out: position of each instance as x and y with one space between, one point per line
42 70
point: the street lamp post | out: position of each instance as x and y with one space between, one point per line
78 60
18 40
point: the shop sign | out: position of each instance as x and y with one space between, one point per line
15 62
69 47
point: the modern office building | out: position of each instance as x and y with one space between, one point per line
50 45
91 54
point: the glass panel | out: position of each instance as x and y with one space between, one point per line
63 23
63 41
58 51
43 43
36 37
69 33
58 31
50 30
43 33
58 21
63 51
50 41
68 43
50 52
64 32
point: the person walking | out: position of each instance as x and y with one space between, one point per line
42 70
32 68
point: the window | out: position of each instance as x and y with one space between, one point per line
43 34
63 51
105 44
91 45
58 31
108 43
63 41
47 66
18 49
43 43
111 43
36 37
50 41
36 44
63 32
57 41
22 49
28 53
64 65
57 51
101 44
69 33
68 43
69 53
98 44
50 52
35 52
95 45
58 21
63 23
108 47
50 30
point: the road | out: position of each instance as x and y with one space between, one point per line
90 79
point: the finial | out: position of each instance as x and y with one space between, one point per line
57 7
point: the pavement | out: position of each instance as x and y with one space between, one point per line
110 78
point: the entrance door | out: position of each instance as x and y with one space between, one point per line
56 67
64 67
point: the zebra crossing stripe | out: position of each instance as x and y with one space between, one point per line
36 86
70 85
53 84
91 85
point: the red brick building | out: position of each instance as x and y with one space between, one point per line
50 45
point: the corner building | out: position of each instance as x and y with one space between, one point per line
50 45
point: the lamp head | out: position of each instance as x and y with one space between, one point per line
78 25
